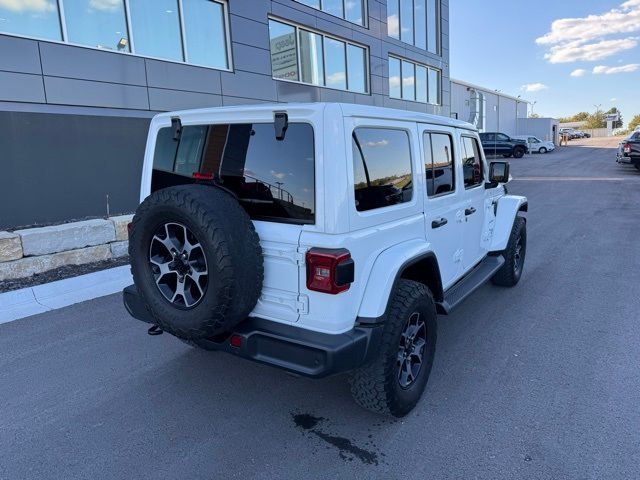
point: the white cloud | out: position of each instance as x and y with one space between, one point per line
614 99
590 38
38 6
393 25
394 81
577 51
338 77
408 81
534 87
381 143
106 5
580 72
604 70
278 175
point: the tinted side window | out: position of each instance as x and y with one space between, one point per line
488 137
501 137
438 163
274 180
471 162
381 168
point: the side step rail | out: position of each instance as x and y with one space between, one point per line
477 277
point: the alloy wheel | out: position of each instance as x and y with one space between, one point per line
178 264
413 341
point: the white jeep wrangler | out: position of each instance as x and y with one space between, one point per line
320 238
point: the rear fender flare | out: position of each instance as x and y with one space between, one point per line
386 272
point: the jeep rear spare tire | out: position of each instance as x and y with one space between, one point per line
196 260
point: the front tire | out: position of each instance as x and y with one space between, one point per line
393 382
510 273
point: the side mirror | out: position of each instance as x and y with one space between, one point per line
498 172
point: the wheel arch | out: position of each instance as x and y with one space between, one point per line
416 262
506 212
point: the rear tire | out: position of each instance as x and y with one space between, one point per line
518 152
542 150
514 255
393 382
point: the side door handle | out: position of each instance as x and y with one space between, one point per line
469 211
441 222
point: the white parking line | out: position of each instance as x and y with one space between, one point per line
579 179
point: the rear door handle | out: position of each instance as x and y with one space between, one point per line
441 222
469 211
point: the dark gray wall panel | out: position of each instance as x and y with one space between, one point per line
81 92
19 55
177 76
227 101
250 85
89 64
251 59
68 172
255 9
249 32
21 87
167 100
300 14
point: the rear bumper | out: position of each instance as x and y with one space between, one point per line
628 160
291 348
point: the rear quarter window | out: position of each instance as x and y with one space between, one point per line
381 168
273 180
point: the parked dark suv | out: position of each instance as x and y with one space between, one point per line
495 143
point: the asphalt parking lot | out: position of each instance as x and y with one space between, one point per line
538 381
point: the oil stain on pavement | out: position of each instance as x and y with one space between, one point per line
346 449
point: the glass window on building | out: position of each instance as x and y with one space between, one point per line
39 19
408 80
421 84
351 10
381 168
205 33
335 62
311 58
416 22
284 52
298 54
434 87
393 18
156 28
100 24
357 68
333 7
395 78
406 21
414 82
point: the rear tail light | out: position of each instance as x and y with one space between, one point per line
202 176
627 148
329 270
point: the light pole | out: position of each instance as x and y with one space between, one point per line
533 104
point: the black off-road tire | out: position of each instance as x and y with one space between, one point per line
233 257
518 152
376 386
514 255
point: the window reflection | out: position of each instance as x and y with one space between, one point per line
381 168
471 162
311 64
356 67
97 23
205 33
394 78
34 19
272 179
410 81
438 152
156 28
335 63
284 59
393 18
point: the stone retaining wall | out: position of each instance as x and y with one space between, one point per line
35 250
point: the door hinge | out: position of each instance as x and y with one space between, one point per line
302 304
300 255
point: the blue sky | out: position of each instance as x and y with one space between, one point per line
515 46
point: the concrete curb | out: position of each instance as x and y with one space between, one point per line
62 293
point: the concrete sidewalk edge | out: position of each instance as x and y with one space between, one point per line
29 301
